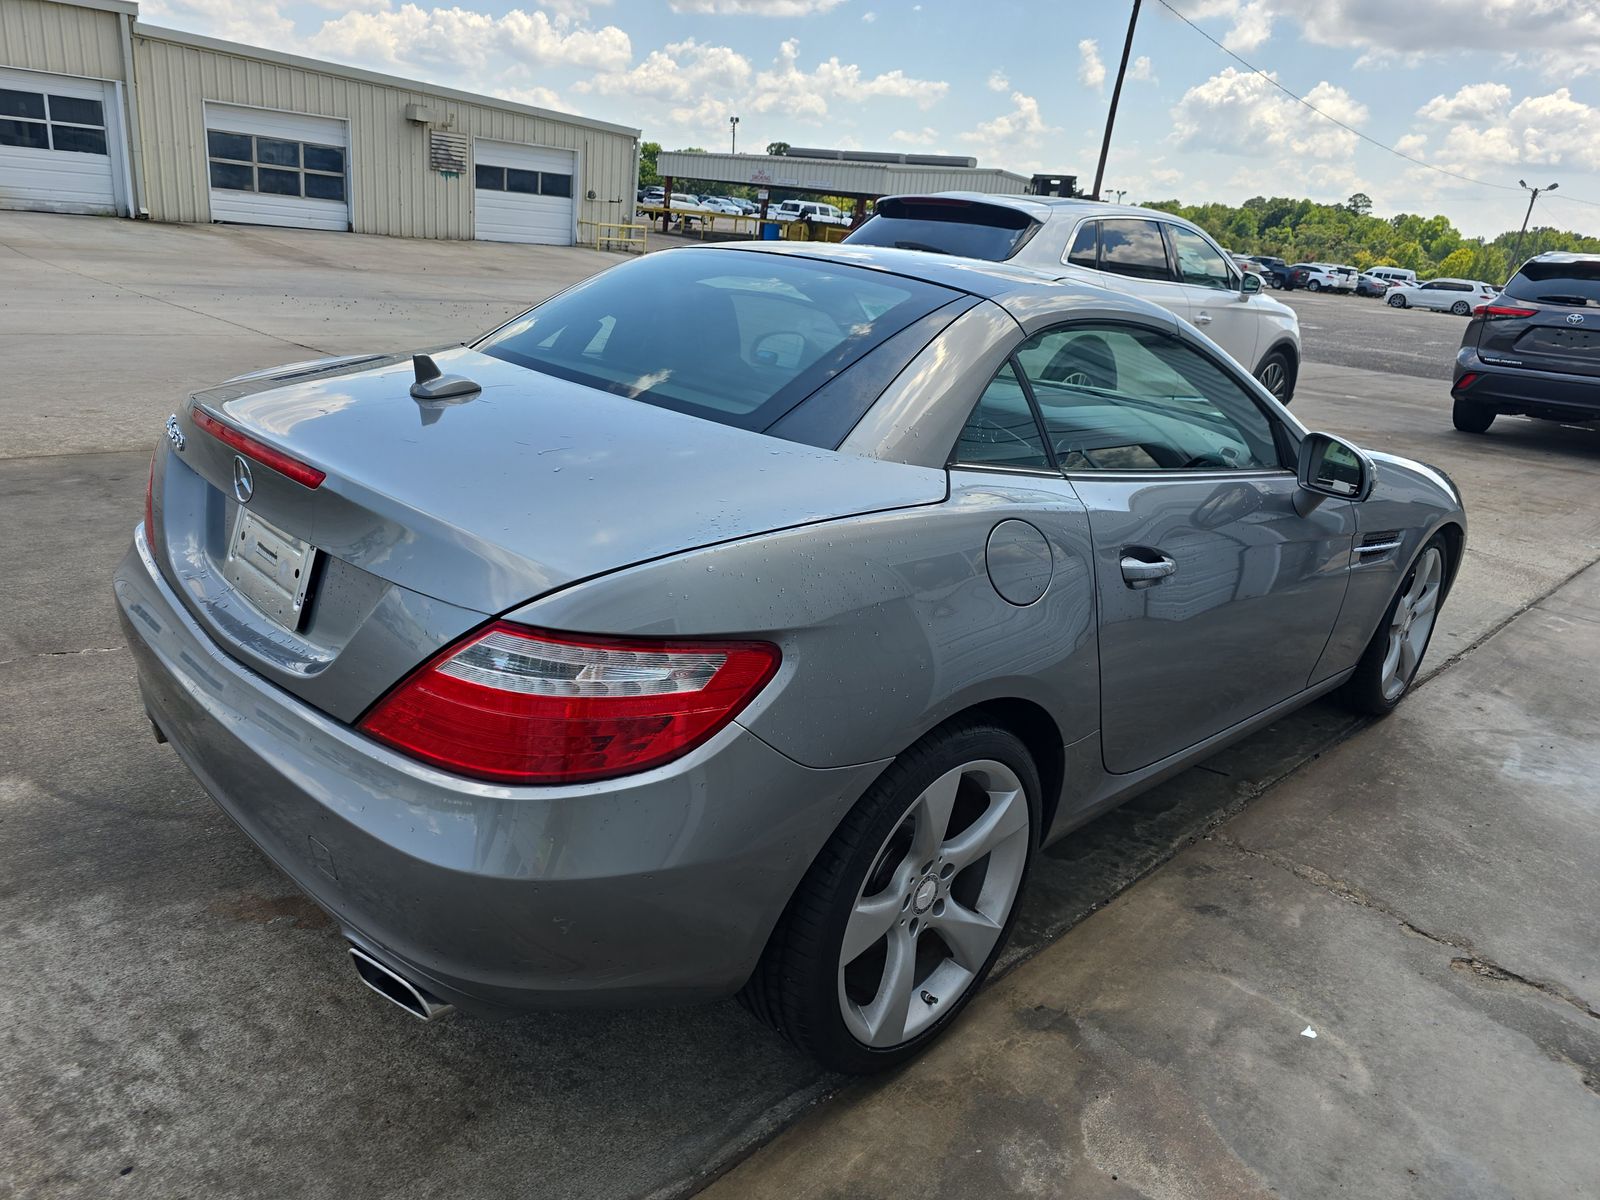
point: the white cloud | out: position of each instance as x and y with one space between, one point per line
785 88
411 37
998 82
1140 68
1242 113
1091 71
1013 138
677 72
1487 130
926 136
233 20
1556 36
539 97
869 17
1474 101
756 8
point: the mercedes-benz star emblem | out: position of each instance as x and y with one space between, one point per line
243 486
1575 319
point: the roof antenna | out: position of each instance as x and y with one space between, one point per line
432 384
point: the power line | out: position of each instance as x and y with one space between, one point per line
1301 100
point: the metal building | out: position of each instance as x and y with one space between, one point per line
859 174
101 113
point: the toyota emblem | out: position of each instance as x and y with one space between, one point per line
243 486
1575 319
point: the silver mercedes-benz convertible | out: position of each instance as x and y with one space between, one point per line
744 619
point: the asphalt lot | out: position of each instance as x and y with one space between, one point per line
1364 332
181 1022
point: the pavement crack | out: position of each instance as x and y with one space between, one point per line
1467 961
6 662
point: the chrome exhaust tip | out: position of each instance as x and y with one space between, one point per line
397 989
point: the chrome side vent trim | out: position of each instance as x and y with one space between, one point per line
1378 543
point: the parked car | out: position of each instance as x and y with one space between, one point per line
1368 284
1535 348
1459 296
720 204
1394 275
652 195
1140 251
678 743
1274 270
816 211
1325 277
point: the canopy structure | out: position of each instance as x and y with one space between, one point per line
860 175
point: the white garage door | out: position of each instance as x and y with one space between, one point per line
60 143
270 167
523 193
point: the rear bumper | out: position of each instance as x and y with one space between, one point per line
1516 390
657 888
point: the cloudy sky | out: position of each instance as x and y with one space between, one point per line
1494 89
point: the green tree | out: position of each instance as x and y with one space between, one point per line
777 147
1457 263
648 176
1360 203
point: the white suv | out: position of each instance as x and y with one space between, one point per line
1142 251
799 210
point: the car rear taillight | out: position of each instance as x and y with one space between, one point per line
302 473
1466 381
513 704
1500 312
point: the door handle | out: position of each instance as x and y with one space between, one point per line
1202 318
1138 573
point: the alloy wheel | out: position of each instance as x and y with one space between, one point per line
934 904
1397 301
1274 378
1412 623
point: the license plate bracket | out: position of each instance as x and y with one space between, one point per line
270 568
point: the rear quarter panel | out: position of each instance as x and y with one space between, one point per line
889 624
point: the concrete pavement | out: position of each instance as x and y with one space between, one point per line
176 1009
1379 980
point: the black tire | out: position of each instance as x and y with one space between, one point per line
1276 373
1314 286
1397 302
1471 417
796 986
1461 308
1363 692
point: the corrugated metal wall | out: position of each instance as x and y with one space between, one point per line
392 189
56 37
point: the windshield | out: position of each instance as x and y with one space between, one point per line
991 232
1574 283
735 337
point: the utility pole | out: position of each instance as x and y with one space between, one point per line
1116 94
733 135
1516 251
1119 193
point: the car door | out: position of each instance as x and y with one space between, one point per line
1435 294
1216 595
1216 305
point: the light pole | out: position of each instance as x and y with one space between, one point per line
1116 95
1119 193
1516 251
733 135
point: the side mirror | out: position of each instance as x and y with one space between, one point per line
1331 467
1250 283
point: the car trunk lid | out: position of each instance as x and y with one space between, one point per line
470 507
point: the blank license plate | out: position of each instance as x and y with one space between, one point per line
269 567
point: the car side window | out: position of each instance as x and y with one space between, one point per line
1198 262
1134 248
1086 246
1002 431
1126 398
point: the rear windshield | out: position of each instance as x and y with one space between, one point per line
1577 284
988 231
731 336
